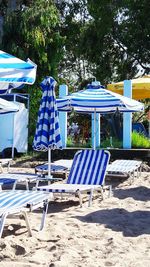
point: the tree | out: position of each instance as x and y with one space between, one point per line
116 39
73 17
33 31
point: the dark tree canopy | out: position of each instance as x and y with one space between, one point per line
116 39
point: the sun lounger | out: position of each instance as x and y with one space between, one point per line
58 167
6 181
87 174
124 168
19 202
16 178
5 162
23 178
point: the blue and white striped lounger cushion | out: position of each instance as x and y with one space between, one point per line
17 199
87 172
6 181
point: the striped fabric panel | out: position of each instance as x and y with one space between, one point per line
89 167
66 188
103 100
51 190
124 166
18 198
7 106
100 100
15 72
47 130
6 181
63 104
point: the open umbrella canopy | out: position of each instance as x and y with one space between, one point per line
140 87
7 106
15 72
97 99
47 135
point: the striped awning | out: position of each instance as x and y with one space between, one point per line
15 72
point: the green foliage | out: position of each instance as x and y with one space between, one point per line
73 17
116 38
140 141
71 143
33 32
114 143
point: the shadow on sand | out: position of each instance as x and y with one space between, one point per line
131 224
140 193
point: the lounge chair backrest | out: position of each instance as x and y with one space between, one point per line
89 167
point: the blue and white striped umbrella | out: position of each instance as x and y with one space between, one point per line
96 99
7 106
15 72
47 135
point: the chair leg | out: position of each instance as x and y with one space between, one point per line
14 185
1 167
80 197
3 218
37 183
110 191
90 198
45 208
8 166
27 185
2 223
102 193
24 213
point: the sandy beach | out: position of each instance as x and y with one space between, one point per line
112 232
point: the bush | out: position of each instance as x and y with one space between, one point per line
140 141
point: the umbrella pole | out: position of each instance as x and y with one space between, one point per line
49 162
94 129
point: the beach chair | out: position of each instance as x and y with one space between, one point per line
17 178
61 166
87 174
6 181
5 162
14 202
125 168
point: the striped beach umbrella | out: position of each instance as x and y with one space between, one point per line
15 72
99 100
47 135
7 106
95 99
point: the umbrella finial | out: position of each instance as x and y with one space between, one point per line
96 83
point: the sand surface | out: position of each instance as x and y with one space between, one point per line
112 232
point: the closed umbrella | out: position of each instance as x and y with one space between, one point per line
15 72
7 106
140 87
47 135
95 99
